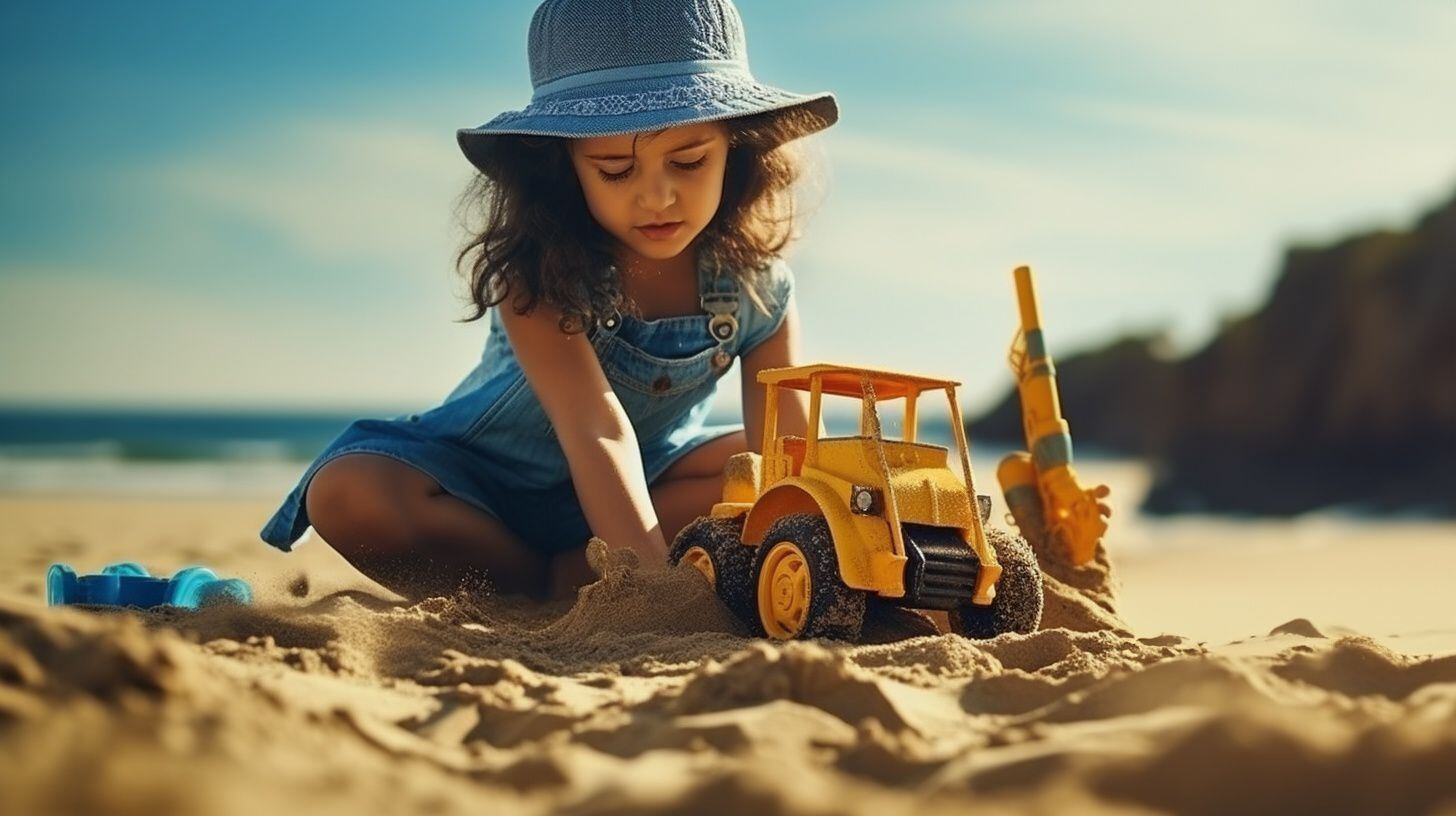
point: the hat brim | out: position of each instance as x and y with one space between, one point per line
638 106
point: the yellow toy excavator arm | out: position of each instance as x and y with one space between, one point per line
1041 487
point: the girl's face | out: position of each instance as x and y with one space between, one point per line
676 178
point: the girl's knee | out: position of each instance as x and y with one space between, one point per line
354 506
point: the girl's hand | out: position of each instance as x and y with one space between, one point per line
604 559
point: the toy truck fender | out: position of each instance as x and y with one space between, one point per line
862 543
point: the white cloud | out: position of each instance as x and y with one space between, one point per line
360 212
68 334
1290 121
350 189
1224 44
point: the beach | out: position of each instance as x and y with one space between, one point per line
237 243
1221 666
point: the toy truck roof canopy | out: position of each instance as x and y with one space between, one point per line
845 380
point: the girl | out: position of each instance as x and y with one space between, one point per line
636 213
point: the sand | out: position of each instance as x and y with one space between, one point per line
331 695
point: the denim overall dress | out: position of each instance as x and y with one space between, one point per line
491 444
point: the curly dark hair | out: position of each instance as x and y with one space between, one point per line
539 240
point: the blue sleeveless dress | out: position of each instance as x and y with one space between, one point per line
491 444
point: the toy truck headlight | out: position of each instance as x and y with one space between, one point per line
864 500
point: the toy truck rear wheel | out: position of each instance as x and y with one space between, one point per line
715 547
1018 603
800 593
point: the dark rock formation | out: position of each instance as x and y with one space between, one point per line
1340 390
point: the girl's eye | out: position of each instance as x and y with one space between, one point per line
692 165
614 176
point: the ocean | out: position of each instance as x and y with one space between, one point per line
159 451
194 452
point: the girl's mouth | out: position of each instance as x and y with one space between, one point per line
658 232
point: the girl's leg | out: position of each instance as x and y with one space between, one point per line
693 484
397 525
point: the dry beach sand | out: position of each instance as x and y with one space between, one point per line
329 696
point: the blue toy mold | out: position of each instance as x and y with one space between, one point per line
127 583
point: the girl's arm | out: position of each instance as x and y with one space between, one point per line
593 429
780 349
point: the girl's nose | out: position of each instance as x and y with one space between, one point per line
657 193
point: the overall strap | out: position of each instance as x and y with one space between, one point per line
719 295
599 331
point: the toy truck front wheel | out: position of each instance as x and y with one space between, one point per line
714 547
800 593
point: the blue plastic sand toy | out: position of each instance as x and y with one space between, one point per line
127 583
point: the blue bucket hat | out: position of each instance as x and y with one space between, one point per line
606 67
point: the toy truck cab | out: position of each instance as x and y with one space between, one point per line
822 522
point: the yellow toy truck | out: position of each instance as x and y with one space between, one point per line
809 530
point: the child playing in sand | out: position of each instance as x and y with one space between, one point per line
636 213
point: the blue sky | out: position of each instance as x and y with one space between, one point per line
252 204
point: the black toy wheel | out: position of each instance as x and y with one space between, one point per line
715 547
1018 602
799 591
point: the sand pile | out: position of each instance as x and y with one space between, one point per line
643 697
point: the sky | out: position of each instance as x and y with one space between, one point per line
252 205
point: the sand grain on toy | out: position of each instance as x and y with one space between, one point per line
643 696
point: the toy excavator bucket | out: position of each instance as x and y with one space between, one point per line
1041 486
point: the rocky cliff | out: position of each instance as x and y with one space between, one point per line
1340 390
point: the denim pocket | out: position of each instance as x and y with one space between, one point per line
628 365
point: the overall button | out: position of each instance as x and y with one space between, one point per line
723 326
662 383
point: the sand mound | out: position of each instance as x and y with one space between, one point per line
643 696
1299 626
386 716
